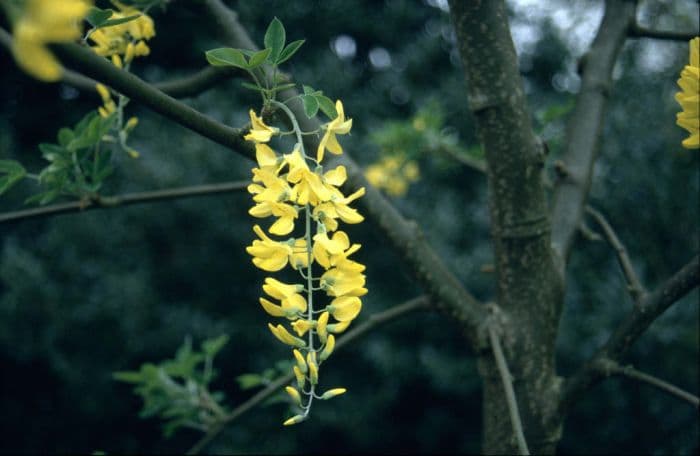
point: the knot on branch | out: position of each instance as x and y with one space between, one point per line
537 226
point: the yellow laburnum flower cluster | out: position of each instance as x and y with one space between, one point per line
393 174
285 187
42 22
689 97
127 40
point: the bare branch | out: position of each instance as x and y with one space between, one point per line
585 125
609 367
105 202
507 380
634 285
637 31
421 302
186 86
637 322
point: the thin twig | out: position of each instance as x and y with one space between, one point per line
510 392
421 302
610 367
634 285
637 31
473 163
105 202
651 306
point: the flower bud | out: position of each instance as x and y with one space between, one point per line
294 394
333 393
294 420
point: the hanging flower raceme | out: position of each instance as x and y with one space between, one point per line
42 22
689 97
287 189
123 42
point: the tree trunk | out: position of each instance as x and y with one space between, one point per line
529 285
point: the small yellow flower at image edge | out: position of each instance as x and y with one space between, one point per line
689 97
286 188
42 22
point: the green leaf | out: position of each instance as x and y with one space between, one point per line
226 57
211 347
14 173
121 20
289 51
128 377
310 105
279 88
65 135
51 152
248 381
258 58
308 90
327 106
275 39
250 86
96 16
43 198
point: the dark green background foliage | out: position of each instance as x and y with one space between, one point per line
82 296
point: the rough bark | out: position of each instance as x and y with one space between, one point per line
529 285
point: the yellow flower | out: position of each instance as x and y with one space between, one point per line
337 328
393 174
333 393
109 106
338 126
295 420
272 256
281 333
313 367
328 349
689 97
345 308
308 188
259 131
127 39
337 207
42 22
338 282
301 362
338 257
301 327
301 378
294 394
292 303
321 327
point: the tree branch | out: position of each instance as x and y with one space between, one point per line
105 202
584 129
609 367
634 285
421 302
637 31
636 323
507 380
433 275
186 86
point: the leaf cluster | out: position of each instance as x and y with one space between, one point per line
177 390
77 163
